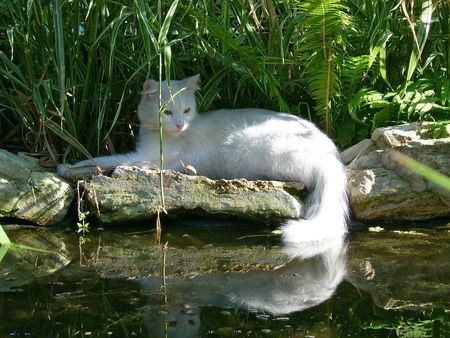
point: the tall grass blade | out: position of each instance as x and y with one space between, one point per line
423 170
64 135
14 246
162 37
17 246
4 250
61 67
422 37
164 51
4 239
10 33
167 51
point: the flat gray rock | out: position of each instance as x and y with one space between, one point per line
133 194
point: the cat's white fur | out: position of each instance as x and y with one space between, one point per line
241 143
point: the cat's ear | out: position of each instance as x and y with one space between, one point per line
192 83
151 87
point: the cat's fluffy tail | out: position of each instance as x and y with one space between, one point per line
326 215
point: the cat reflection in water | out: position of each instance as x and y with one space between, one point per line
240 143
296 286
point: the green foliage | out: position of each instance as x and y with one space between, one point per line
437 130
71 71
362 318
414 101
404 77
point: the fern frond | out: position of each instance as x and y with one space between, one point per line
321 49
353 71
323 85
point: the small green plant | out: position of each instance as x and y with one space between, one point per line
82 225
82 230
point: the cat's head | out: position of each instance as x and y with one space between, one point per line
178 101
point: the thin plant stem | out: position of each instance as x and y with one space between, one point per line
80 251
164 285
161 143
99 246
158 228
59 37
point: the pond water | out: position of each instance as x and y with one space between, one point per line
224 279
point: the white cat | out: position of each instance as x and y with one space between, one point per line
241 143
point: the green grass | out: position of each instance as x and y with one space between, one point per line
423 170
71 71
6 244
4 239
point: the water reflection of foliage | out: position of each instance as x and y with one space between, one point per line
351 313
360 317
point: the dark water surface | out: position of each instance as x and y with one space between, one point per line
224 280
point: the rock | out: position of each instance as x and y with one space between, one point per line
30 193
354 151
381 189
132 194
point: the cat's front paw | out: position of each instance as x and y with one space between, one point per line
188 169
62 169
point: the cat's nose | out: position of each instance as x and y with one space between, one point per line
180 125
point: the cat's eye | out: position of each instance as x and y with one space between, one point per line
168 112
191 322
187 110
172 323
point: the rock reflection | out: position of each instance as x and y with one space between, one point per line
292 287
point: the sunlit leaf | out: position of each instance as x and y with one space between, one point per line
166 24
